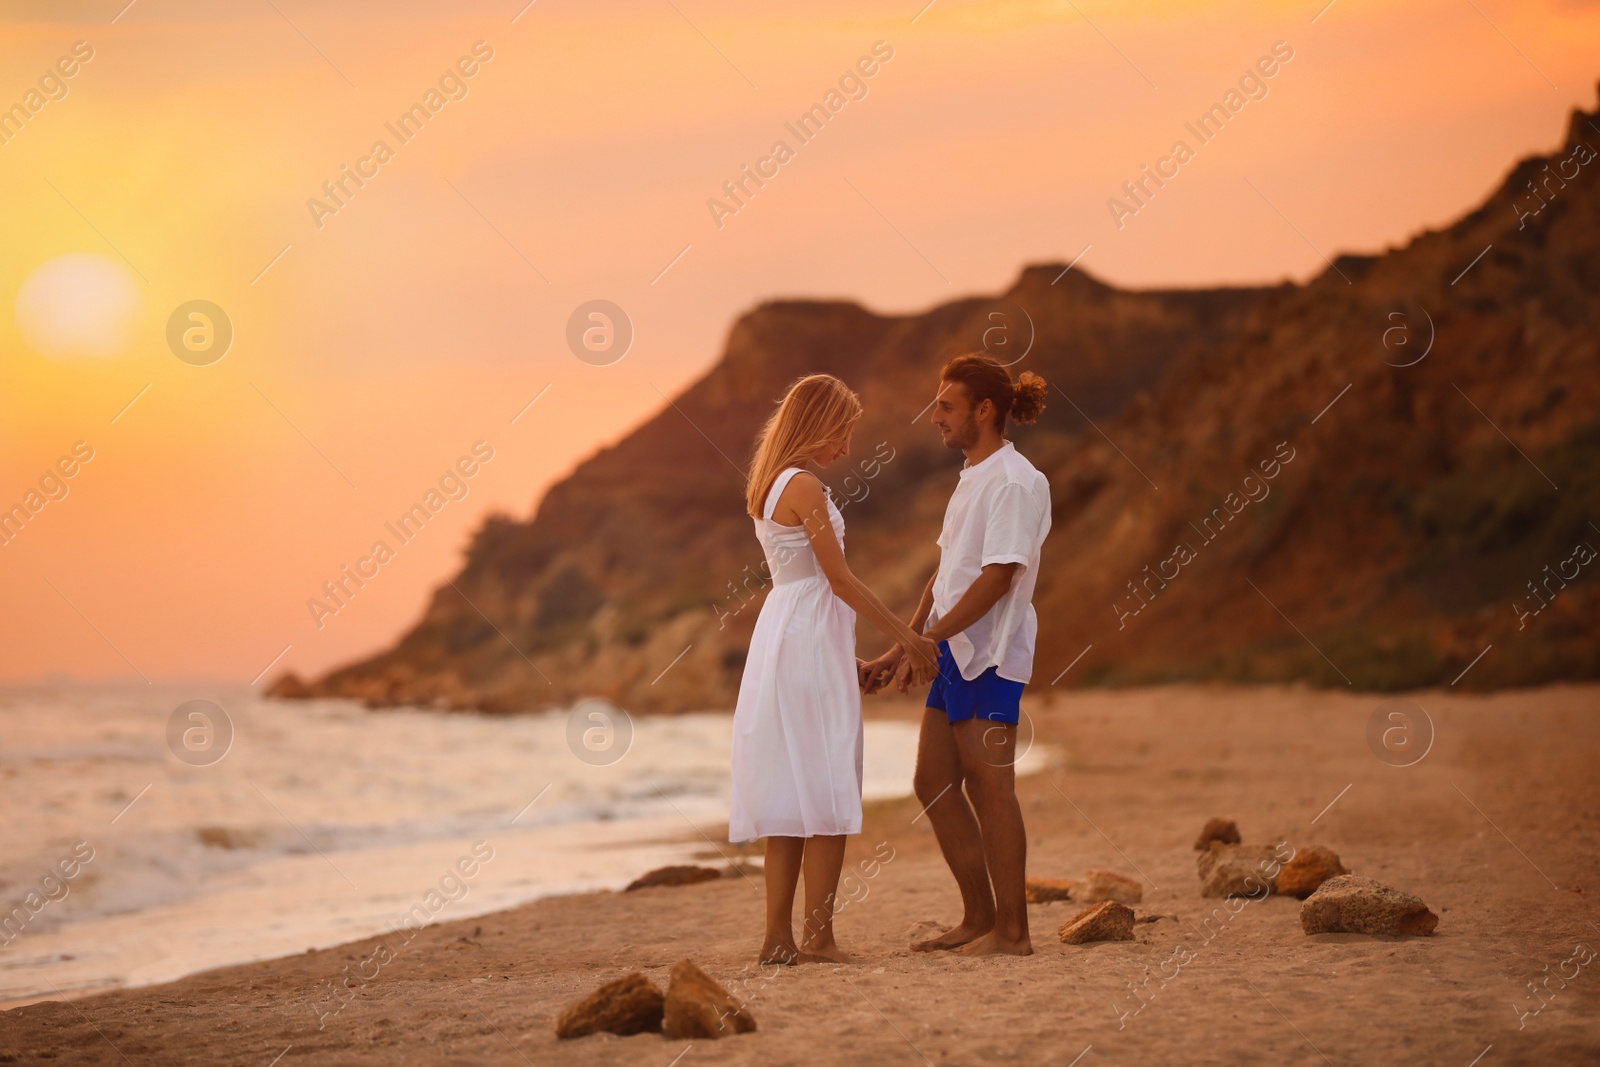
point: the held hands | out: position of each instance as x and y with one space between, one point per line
866 671
900 667
902 675
917 665
873 675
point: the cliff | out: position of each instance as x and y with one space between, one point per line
1364 480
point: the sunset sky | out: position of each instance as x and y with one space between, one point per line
375 344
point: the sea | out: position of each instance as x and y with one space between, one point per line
153 831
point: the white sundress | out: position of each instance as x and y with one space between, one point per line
797 725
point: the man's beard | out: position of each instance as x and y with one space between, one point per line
965 436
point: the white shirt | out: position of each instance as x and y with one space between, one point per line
999 513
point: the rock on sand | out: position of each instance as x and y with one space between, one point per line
1107 885
1310 867
1224 830
1237 870
697 1007
629 1005
1349 904
1106 921
1045 890
683 875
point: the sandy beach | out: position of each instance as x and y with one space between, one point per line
391 530
1495 828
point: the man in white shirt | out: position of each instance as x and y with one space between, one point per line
978 608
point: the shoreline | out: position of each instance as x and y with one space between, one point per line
296 841
1141 771
660 836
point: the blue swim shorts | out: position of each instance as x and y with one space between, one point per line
988 696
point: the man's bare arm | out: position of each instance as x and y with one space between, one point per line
984 593
925 605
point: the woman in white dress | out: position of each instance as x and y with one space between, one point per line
797 726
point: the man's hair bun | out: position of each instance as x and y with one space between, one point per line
1027 398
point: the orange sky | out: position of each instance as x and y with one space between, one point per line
432 307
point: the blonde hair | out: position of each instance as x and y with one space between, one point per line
817 411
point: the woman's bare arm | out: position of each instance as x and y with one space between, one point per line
803 498
877 673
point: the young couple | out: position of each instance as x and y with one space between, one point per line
797 731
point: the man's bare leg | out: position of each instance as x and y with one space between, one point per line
938 787
782 871
823 860
988 755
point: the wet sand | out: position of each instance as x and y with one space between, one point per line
1497 828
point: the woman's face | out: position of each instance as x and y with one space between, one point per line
832 453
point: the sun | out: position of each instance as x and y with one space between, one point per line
78 307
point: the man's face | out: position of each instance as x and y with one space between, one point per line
955 416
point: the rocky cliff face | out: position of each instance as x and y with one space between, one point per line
1364 480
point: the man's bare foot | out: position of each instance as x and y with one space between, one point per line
992 944
950 939
783 953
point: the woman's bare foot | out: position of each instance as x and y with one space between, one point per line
992 944
951 939
782 953
829 953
